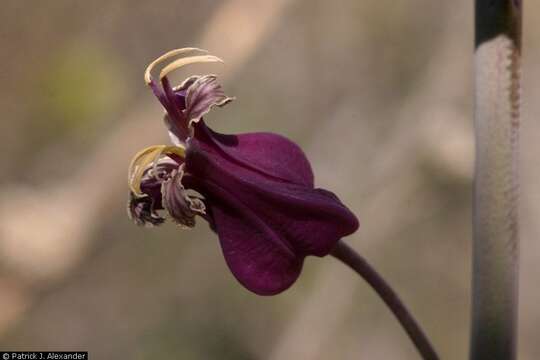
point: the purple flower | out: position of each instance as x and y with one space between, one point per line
255 190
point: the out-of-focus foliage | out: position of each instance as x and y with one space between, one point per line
77 88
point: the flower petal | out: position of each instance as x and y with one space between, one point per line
271 155
258 259
149 156
266 226
202 96
177 201
142 211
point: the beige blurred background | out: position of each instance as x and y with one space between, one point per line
377 92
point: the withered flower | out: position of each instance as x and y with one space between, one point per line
255 190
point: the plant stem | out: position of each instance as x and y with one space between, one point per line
495 208
351 258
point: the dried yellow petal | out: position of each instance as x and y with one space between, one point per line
145 158
186 61
168 55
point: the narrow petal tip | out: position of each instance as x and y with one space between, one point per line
186 61
166 56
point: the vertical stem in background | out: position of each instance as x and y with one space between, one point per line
496 238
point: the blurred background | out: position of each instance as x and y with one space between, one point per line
378 94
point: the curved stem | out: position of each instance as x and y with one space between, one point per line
351 258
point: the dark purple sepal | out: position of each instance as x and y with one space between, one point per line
259 190
268 154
